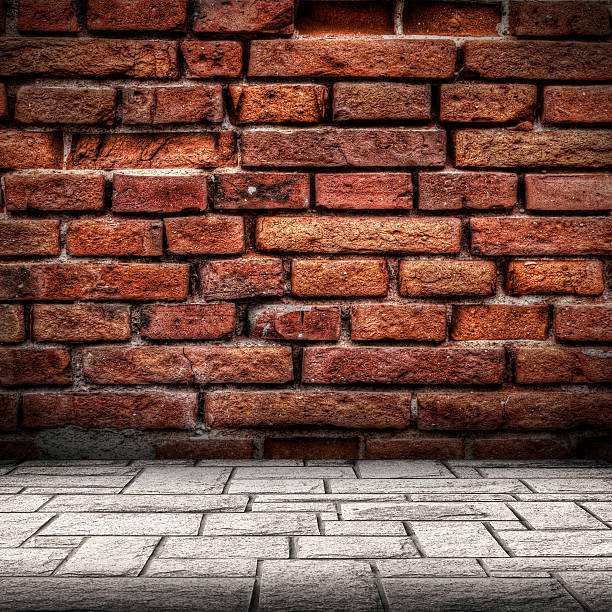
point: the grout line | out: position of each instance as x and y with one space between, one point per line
379 585
254 603
154 554
498 538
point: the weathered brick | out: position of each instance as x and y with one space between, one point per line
245 16
594 447
80 322
577 104
159 15
398 322
568 191
296 323
207 58
341 147
580 277
404 366
311 448
18 449
47 16
541 236
310 234
451 18
8 411
12 328
4 109
520 448
584 323
119 238
414 448
499 322
290 409
25 237
315 18
25 150
35 367
339 277
207 235
446 277
202 448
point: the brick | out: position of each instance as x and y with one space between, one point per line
80 322
499 322
162 15
242 278
188 321
197 448
121 238
451 19
90 281
522 411
21 237
54 191
487 102
208 235
364 191
472 190
35 367
150 410
296 323
160 105
583 323
579 277
339 278
446 277
245 16
137 193
404 366
520 448
290 409
18 449
8 412
82 105
207 58
316 18
4 109
358 235
414 448
553 364
12 328
568 191
429 59
47 16
577 104
541 236
25 150
398 322
594 447
160 150
559 19
381 101
550 60
341 147
261 190
88 57
311 448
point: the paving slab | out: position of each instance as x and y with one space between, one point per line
31 561
357 547
555 515
592 588
442 568
211 568
259 523
186 480
222 547
16 527
402 469
559 543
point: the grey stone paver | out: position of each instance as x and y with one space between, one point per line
222 547
559 543
357 547
402 469
16 527
369 528
556 515
275 485
423 485
254 473
603 510
514 567
254 523
30 561
592 588
211 568
535 472
22 503
570 485
181 481
60 541
441 568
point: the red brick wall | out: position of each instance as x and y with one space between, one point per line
340 229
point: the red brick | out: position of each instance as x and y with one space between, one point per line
381 101
261 190
584 323
499 322
403 366
311 448
315 18
21 237
91 281
550 60
80 322
339 277
415 448
568 191
541 236
451 19
577 104
398 322
245 16
235 279
559 18
25 150
341 147
160 150
54 191
4 109
160 15
17 449
207 58
522 411
201 448
8 412
376 57
137 193
206 235
580 277
88 57
487 102
159 105
35 367
118 410
595 447
188 321
47 16
520 448
12 328
364 191
297 323
446 277
111 237
553 364
291 409
475 190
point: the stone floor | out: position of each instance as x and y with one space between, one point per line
306 535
